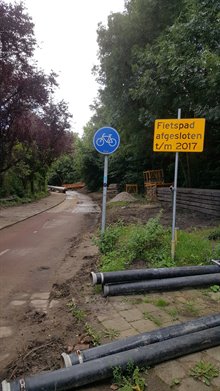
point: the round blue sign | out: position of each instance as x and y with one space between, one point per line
106 140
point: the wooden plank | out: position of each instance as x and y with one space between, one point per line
180 201
196 191
191 194
200 200
208 201
199 205
164 198
195 195
200 191
196 208
202 210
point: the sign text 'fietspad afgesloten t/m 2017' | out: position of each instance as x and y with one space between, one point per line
179 135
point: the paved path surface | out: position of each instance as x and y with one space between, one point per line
35 239
130 315
15 214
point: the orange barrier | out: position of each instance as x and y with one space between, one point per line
77 185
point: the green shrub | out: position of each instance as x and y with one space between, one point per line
107 242
113 262
122 244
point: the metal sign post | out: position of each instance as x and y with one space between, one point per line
173 241
104 195
106 141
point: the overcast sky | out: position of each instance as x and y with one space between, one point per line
66 33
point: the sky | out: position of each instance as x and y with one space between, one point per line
66 34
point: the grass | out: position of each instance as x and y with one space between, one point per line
136 300
153 318
188 308
76 312
15 200
191 308
94 334
195 248
121 204
146 300
215 288
161 303
111 334
204 372
174 313
128 380
214 234
175 382
121 244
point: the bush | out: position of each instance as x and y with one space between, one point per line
108 240
121 244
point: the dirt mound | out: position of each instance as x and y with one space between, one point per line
124 196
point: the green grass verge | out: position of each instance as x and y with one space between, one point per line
122 244
15 200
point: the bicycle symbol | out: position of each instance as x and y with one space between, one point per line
106 138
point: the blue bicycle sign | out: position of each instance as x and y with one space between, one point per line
106 140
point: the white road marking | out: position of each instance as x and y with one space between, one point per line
5 251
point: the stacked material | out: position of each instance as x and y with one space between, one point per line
153 280
150 348
145 349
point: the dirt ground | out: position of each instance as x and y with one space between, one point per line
71 319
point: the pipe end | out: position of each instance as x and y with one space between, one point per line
216 261
80 356
5 386
94 278
66 361
105 290
102 278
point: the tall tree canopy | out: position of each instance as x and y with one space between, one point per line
157 56
28 115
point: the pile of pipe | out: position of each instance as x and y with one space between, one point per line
146 349
130 282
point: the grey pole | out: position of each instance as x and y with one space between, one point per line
173 242
104 196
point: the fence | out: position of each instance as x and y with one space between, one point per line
200 200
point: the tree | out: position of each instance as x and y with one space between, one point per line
28 115
155 57
67 168
141 24
90 161
182 70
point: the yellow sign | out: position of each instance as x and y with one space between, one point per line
179 135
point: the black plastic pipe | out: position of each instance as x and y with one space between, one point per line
165 284
148 274
147 338
102 368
